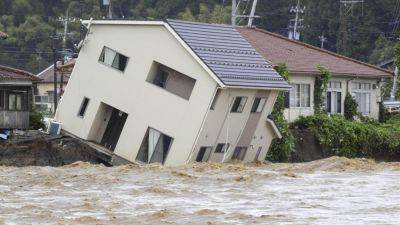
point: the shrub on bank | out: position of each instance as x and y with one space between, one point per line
342 137
36 121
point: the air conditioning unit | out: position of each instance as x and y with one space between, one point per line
54 128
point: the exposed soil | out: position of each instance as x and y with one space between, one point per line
34 148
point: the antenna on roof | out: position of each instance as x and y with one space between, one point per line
251 16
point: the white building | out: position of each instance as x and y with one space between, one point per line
171 92
362 80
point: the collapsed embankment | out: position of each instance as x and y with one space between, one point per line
34 148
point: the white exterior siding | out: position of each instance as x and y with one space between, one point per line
147 105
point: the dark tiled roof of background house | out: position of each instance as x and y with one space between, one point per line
223 49
8 73
302 58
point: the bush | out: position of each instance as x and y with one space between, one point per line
354 138
36 121
350 107
281 149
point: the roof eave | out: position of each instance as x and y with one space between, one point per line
296 72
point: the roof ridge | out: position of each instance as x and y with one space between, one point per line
317 49
200 23
20 72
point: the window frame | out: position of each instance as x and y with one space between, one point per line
298 96
239 110
225 147
262 100
85 108
150 157
111 65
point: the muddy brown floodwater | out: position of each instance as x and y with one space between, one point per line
330 191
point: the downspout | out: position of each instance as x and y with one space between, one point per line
202 126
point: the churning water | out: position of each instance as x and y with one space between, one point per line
330 191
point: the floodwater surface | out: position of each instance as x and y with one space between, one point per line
330 191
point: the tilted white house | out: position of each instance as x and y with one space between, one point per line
171 92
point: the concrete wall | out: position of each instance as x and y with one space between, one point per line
147 105
294 113
244 129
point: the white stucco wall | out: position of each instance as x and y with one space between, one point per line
147 105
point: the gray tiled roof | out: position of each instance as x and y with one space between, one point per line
228 55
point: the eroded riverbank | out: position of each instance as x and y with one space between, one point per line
330 191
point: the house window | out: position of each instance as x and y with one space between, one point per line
362 94
15 102
239 153
363 100
214 102
300 95
41 99
334 84
83 107
361 86
334 102
113 59
155 147
204 154
221 148
171 80
258 105
238 104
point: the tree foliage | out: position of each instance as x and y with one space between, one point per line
281 149
367 33
320 87
350 107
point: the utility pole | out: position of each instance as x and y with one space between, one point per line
323 39
252 13
234 10
55 70
235 15
296 24
346 11
108 3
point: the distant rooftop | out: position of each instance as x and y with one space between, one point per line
301 58
8 73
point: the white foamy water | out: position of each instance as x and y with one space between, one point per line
332 191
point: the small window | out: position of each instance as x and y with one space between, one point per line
258 105
238 104
221 148
155 147
83 108
113 59
300 95
15 102
214 102
171 80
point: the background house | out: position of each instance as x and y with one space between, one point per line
362 80
44 89
171 92
15 97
